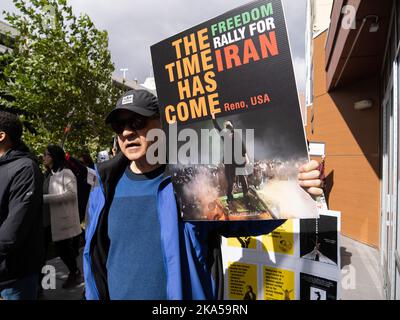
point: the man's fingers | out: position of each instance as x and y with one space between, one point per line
315 191
312 165
310 183
309 175
308 178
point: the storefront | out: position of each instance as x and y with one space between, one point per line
390 221
355 112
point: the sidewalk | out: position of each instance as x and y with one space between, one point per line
61 275
363 262
356 257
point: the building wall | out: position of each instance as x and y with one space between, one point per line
322 13
352 149
7 36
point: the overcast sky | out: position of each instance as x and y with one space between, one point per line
133 26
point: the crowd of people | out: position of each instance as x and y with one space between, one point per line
53 188
130 210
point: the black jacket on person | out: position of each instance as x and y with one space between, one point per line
21 217
83 187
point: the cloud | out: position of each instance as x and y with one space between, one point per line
300 73
133 26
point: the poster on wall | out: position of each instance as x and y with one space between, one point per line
317 288
278 284
318 239
242 281
230 108
300 260
281 240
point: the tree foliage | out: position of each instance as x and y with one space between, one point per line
59 75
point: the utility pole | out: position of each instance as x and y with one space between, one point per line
124 70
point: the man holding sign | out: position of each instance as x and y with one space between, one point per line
137 244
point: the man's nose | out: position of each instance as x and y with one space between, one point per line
128 131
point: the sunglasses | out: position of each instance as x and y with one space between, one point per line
135 123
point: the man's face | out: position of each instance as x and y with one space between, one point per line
133 142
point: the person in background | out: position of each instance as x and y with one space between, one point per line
46 225
21 221
64 213
86 160
90 178
103 156
80 171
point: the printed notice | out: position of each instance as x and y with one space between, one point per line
242 281
279 284
281 240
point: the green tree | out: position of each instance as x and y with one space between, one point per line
60 76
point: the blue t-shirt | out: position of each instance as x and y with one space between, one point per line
135 264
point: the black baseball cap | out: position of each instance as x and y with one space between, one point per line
142 102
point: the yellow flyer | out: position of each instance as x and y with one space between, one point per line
278 284
242 281
243 242
281 240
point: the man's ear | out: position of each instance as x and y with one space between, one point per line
157 123
2 136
